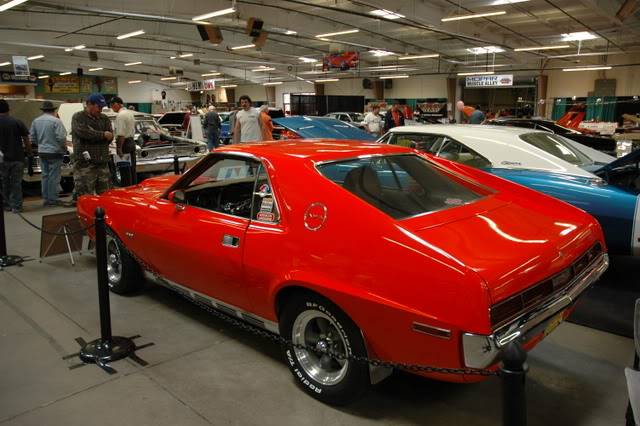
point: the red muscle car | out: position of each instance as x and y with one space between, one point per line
361 249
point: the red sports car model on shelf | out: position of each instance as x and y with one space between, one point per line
361 249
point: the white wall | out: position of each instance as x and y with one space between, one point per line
256 92
350 87
144 92
422 86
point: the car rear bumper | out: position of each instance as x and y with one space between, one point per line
481 351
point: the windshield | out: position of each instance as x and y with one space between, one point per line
355 116
558 147
402 186
147 125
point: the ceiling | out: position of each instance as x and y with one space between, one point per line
39 28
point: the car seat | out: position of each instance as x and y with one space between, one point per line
363 181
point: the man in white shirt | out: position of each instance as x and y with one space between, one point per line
124 129
249 126
373 122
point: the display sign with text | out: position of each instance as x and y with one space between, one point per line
21 66
490 80
195 86
7 77
61 84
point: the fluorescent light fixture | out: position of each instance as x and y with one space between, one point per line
472 16
485 49
526 49
133 34
386 14
402 58
210 74
503 2
324 80
172 57
307 60
263 69
476 73
4 64
587 69
186 55
214 14
168 78
135 81
381 53
132 63
246 46
33 58
336 33
65 73
95 69
290 32
43 76
228 86
79 47
272 83
580 35
69 49
389 77
317 65
11 4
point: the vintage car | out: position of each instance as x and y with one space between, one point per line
306 127
342 61
356 249
155 148
353 118
548 163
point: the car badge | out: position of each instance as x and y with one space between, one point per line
315 216
264 191
561 254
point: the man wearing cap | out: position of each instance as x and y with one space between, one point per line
13 135
92 134
125 128
48 132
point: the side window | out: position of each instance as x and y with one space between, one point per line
421 142
265 208
455 151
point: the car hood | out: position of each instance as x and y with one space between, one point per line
325 128
632 157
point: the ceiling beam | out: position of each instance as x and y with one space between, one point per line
628 8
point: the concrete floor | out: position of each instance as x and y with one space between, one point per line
201 371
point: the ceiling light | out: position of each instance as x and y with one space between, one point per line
210 74
475 15
324 80
388 77
133 34
95 69
337 33
33 58
66 73
214 14
43 76
587 69
132 63
525 49
11 4
486 49
68 49
80 47
503 2
228 86
307 60
172 57
246 46
135 81
381 53
386 14
272 83
476 73
263 69
291 32
186 55
580 35
435 55
5 64
317 65
168 78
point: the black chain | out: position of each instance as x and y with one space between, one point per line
79 231
279 339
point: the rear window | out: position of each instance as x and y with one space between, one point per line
402 186
558 147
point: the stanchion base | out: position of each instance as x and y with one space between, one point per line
10 260
102 352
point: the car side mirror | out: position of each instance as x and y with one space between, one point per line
179 198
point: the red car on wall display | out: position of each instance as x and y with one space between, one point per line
342 61
361 249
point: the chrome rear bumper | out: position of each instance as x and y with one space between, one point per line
482 351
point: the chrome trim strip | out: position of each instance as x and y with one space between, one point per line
268 325
444 330
481 351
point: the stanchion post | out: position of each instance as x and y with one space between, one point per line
176 165
513 377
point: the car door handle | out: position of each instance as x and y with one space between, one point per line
230 241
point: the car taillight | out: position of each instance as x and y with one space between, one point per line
288 134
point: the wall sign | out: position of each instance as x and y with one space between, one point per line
490 80
196 86
6 77
61 84
21 66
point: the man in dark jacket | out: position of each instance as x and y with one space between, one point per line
212 126
394 117
13 136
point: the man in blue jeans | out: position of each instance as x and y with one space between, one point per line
48 132
13 135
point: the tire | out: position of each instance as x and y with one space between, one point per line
123 272
314 320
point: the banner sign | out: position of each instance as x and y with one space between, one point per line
21 66
61 84
196 86
6 77
490 80
342 61
110 85
86 85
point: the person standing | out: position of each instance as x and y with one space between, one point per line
14 141
125 129
477 116
393 118
92 133
48 132
372 121
212 126
268 124
232 123
249 126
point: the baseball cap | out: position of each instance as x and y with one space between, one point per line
97 98
117 100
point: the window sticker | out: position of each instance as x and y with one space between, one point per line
453 201
267 217
233 172
266 205
264 190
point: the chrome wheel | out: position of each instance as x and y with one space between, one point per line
315 329
114 263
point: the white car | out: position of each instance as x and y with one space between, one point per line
353 118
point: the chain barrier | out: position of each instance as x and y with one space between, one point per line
279 339
79 231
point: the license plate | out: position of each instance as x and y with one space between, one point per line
555 321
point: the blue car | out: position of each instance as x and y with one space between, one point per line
307 127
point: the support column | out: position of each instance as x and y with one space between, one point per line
451 95
542 94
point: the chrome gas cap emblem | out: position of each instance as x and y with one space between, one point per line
315 216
